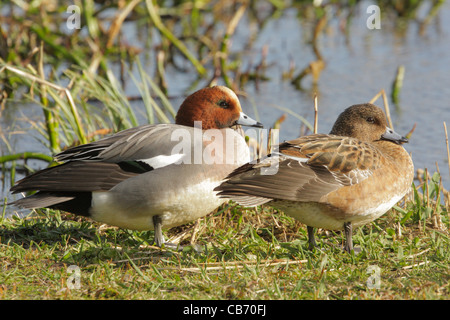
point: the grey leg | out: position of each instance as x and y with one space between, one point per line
311 238
159 238
348 236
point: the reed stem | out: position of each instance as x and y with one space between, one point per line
171 37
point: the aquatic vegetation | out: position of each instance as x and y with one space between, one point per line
81 80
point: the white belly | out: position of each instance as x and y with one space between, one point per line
136 212
322 216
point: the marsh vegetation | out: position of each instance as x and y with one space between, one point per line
131 63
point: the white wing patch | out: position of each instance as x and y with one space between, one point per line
163 160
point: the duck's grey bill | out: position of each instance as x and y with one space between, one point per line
393 136
245 120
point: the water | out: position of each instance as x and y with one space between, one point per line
357 67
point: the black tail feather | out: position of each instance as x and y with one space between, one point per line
73 202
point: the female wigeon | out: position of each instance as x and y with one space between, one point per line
152 176
347 178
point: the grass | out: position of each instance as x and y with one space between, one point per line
232 253
238 254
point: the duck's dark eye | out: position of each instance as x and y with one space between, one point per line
223 104
370 119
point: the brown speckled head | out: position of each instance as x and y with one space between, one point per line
366 122
217 107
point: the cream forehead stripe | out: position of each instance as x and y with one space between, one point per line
231 94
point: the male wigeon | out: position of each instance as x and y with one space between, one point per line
152 176
334 181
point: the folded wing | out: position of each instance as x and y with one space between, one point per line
304 169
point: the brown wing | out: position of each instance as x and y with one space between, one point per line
338 154
304 169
